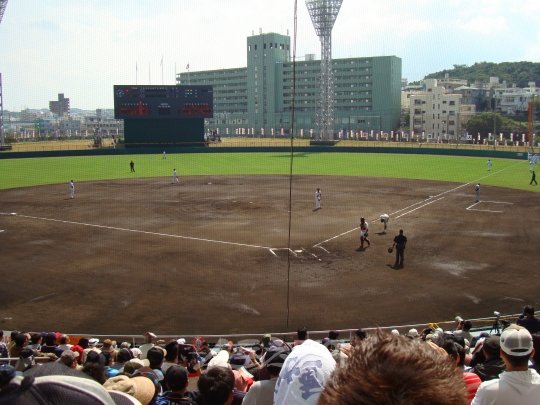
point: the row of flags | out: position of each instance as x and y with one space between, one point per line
161 64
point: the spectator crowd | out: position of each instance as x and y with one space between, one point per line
432 366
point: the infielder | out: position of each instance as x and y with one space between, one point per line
175 177
318 196
384 220
477 191
364 237
71 189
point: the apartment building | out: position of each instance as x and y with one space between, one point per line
258 99
435 113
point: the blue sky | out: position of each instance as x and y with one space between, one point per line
83 48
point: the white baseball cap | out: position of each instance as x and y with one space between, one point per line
516 341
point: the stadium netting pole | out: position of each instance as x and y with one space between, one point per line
291 160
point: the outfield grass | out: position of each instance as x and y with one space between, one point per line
38 171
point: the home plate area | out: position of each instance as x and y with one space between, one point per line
299 254
490 206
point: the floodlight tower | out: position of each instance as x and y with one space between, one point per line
3 4
323 14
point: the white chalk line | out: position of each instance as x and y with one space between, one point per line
115 228
412 205
408 212
474 209
496 202
430 199
470 207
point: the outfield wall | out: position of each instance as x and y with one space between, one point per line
280 149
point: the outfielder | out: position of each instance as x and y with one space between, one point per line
489 164
364 237
384 220
318 195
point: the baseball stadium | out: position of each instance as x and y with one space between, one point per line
235 248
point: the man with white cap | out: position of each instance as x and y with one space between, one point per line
304 374
518 384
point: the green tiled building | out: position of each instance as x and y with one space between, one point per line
257 100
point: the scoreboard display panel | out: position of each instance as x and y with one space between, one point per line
162 102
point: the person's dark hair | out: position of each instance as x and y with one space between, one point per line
360 334
172 350
63 339
216 386
1 333
467 325
333 334
49 339
108 358
155 356
83 342
517 361
124 355
302 333
7 373
95 357
35 338
176 378
96 371
404 370
528 310
455 351
19 339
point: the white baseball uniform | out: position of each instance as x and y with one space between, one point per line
384 219
318 195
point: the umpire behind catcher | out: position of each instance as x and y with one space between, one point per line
399 244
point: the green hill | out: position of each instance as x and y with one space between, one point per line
520 73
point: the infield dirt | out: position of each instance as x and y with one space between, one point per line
210 255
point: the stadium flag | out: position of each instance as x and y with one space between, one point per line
187 66
161 64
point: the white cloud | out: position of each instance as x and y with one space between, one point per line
484 25
83 48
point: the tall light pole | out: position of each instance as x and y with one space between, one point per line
3 4
323 14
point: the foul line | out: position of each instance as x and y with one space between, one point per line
147 232
430 199
408 212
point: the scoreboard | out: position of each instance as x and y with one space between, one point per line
162 102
